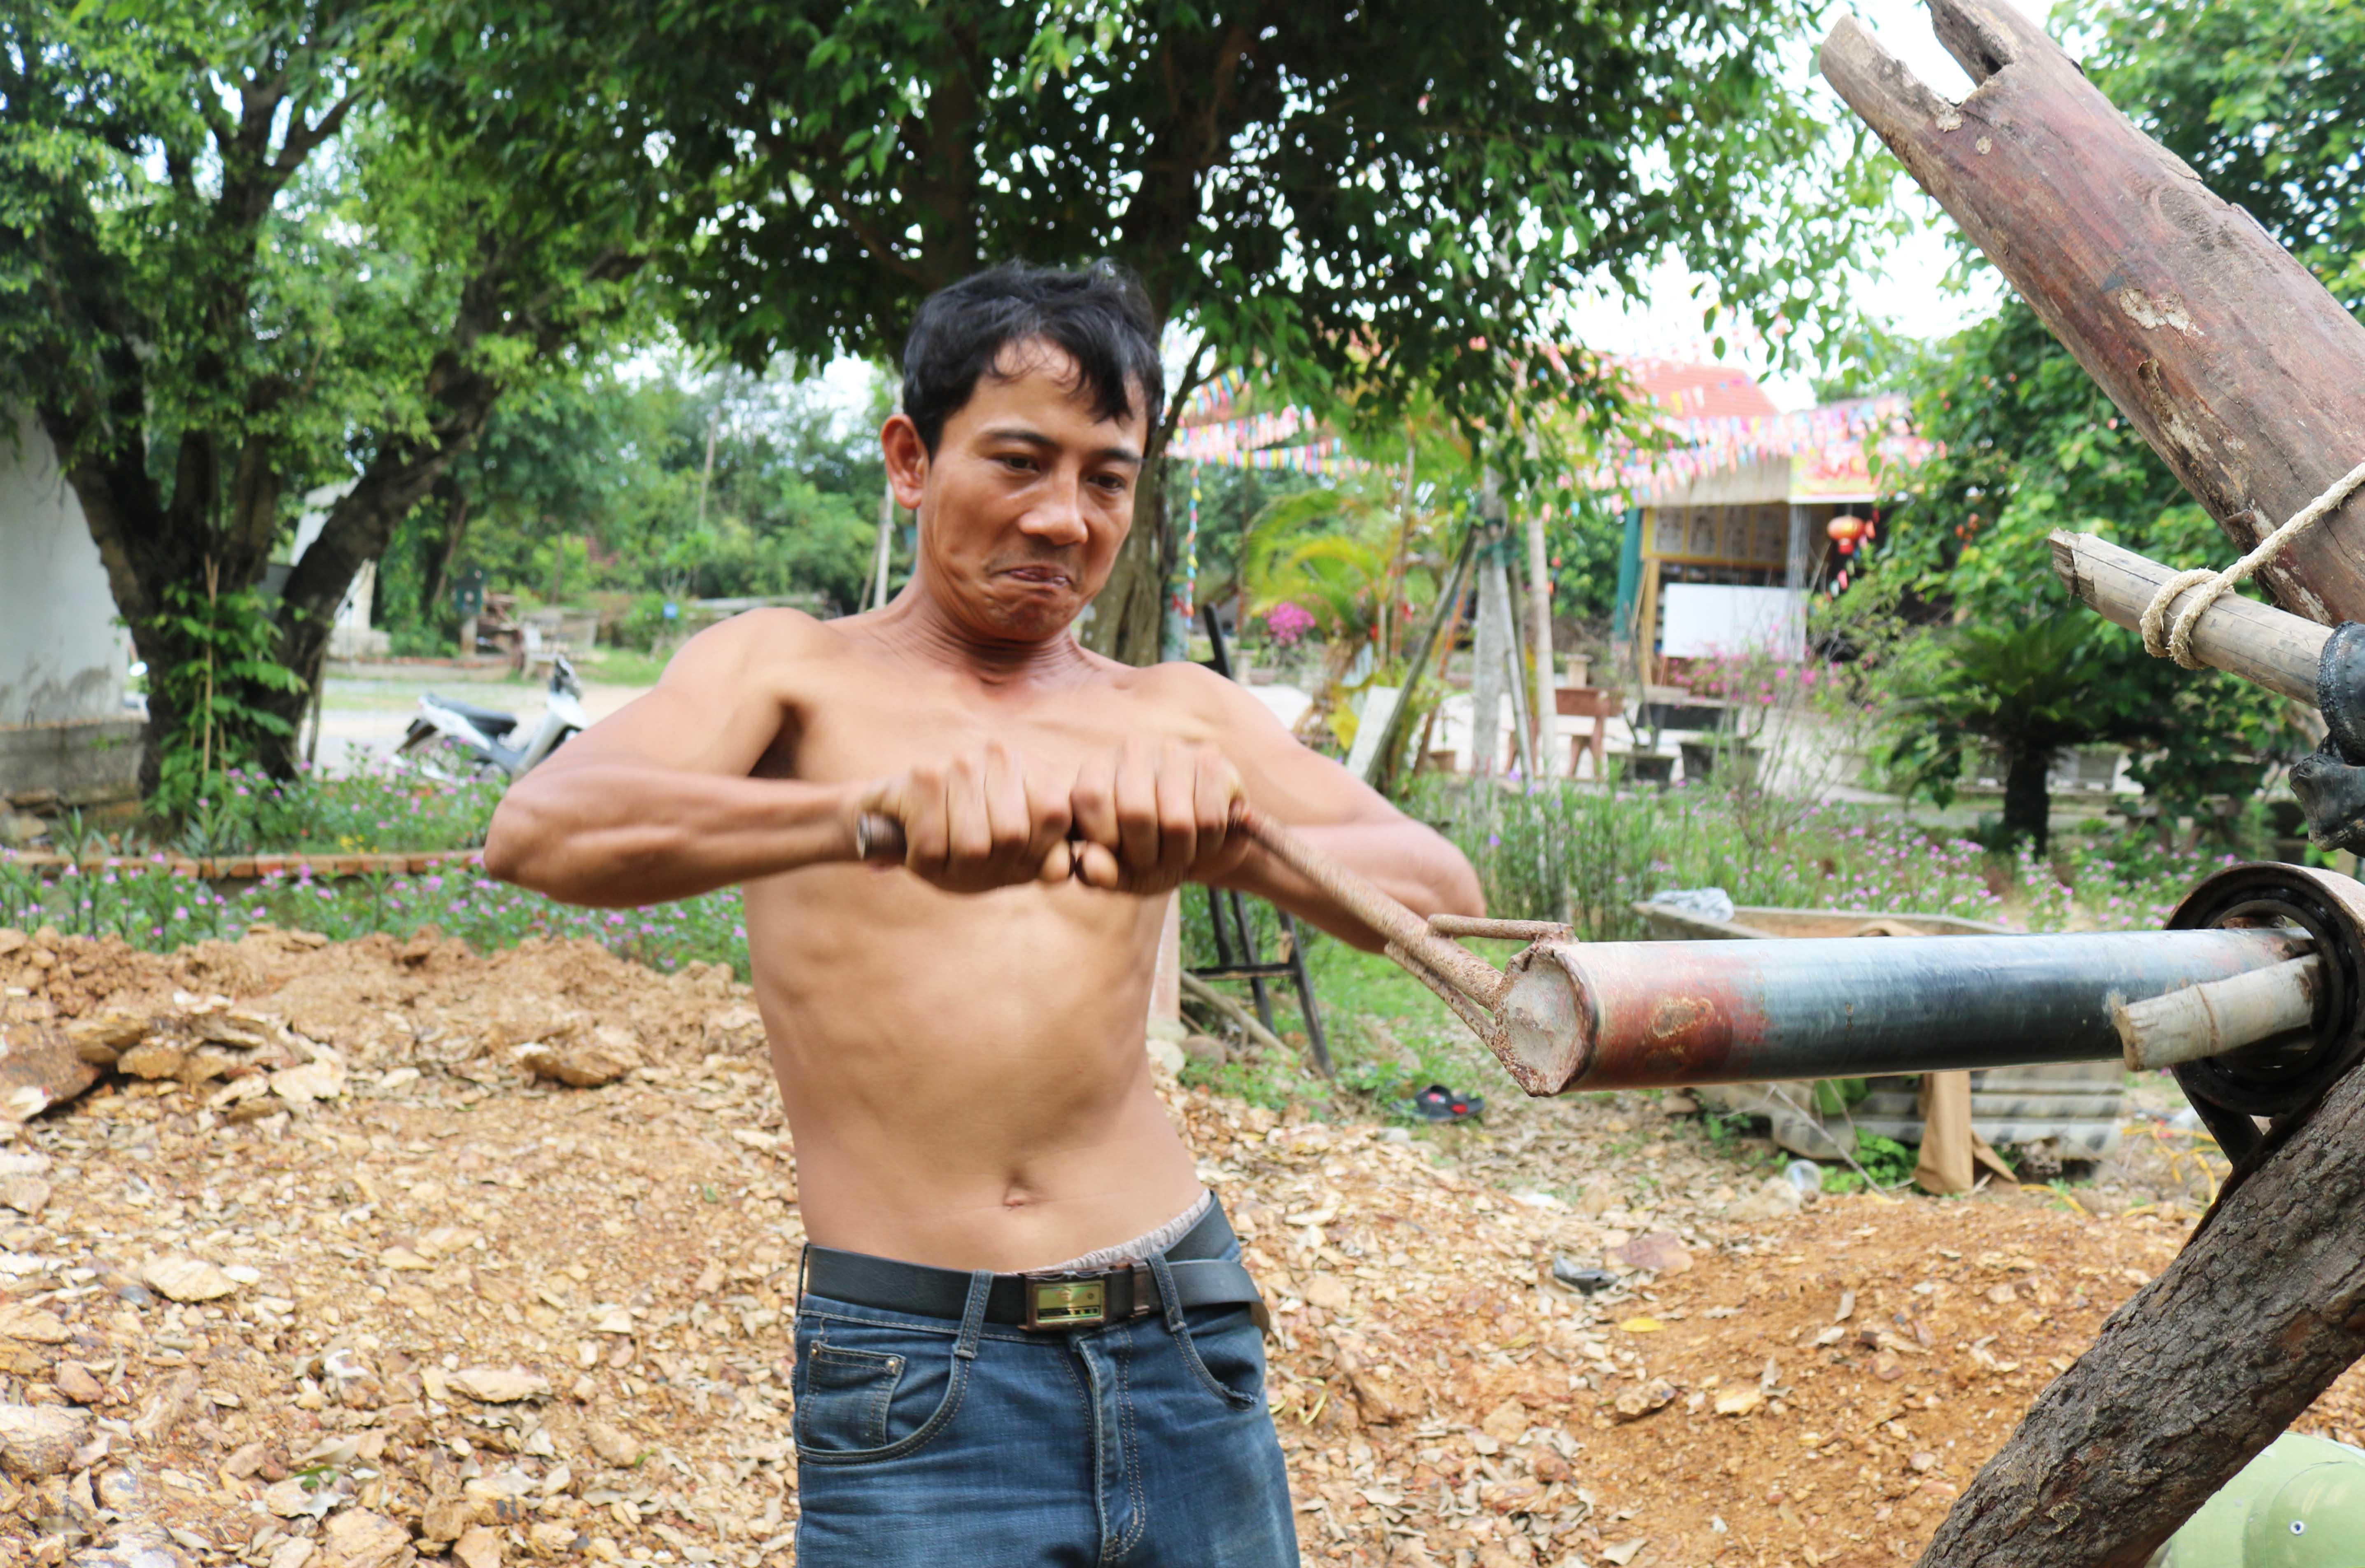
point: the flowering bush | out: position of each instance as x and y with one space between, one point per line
1286 622
1759 680
385 808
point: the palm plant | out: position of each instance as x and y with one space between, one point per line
2029 688
1355 558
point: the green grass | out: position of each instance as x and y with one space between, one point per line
146 905
1884 1159
1389 1037
386 810
1560 851
626 667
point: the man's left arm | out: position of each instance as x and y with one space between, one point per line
1334 811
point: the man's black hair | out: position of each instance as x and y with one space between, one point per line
1097 316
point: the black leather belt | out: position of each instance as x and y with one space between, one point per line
1042 1303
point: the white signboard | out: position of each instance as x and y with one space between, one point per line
1704 620
1379 707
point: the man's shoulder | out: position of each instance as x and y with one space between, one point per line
1176 681
1207 703
773 649
768 634
780 624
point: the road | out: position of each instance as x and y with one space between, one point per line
368 707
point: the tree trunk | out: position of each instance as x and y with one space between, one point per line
2027 803
1544 709
440 561
1447 617
2200 1369
1490 660
1129 614
360 523
2248 379
148 544
2244 375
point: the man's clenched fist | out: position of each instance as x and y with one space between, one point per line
978 821
1154 814
1143 817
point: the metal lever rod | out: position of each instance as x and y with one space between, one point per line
1409 938
1406 931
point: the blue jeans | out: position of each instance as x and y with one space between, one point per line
927 1442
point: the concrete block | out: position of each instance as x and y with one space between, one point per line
78 763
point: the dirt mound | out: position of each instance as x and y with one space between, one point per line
383 1002
450 1309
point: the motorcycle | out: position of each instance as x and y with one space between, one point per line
480 739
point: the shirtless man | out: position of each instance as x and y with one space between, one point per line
1025 1336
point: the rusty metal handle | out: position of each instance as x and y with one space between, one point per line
1410 941
1407 935
1502 930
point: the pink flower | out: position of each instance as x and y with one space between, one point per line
1287 622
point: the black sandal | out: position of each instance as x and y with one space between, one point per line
1438 1103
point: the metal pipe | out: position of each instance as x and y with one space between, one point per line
1620 1015
1568 1015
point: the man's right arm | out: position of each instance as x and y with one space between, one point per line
655 803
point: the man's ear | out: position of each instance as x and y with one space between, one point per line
907 460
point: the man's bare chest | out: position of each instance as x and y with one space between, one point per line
852 731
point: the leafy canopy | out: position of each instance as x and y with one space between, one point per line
2030 445
1370 201
2265 99
250 248
590 487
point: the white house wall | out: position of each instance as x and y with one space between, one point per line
63 657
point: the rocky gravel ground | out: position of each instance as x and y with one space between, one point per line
353 1255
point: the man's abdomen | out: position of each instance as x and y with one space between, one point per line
964 1076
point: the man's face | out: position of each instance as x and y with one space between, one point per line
1025 500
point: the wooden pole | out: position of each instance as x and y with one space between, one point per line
2241 371
2249 380
705 475
877 597
1646 635
1445 622
1396 567
2272 647
1545 710
1490 662
1498 649
2217 1016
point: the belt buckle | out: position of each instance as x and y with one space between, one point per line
1069 1301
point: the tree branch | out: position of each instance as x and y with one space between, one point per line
303 139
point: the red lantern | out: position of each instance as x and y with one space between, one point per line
1845 530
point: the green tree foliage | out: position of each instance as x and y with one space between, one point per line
1585 534
589 486
1964 607
1345 553
1230 500
2265 99
1368 202
253 247
231 645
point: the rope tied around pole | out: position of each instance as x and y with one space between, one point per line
2163 639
